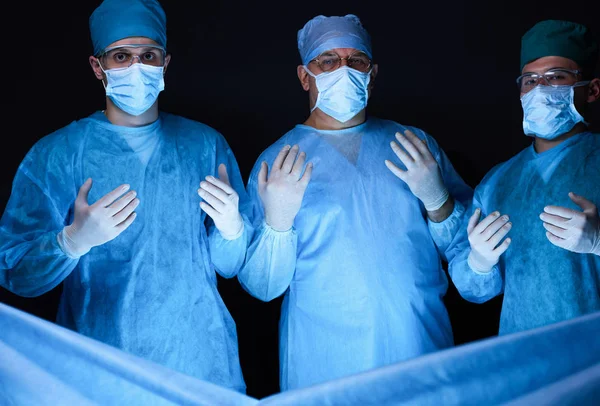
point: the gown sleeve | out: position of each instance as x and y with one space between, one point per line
271 259
31 261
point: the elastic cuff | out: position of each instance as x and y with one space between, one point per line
455 217
268 227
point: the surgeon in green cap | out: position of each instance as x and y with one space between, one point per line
134 211
533 233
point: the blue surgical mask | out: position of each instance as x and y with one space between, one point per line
134 89
342 93
548 111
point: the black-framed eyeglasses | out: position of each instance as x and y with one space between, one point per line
552 77
329 61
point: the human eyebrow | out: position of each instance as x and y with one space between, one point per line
149 49
547 70
140 49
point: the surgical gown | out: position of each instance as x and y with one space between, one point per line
361 271
542 283
152 291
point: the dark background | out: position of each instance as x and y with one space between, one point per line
446 67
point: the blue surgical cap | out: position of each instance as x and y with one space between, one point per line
324 33
114 20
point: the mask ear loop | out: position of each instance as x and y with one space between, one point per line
103 85
579 84
319 92
100 65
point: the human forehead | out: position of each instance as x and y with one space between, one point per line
545 63
342 52
133 41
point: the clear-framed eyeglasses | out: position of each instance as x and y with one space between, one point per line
122 56
553 77
330 61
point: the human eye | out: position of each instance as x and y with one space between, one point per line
120 57
529 80
358 63
149 56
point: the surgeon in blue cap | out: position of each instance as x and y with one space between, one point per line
534 232
353 215
133 210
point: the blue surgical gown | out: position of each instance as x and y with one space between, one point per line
152 291
361 270
542 283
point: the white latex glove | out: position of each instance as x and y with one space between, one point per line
99 223
571 229
422 174
484 239
221 204
282 192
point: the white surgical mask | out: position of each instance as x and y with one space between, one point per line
342 93
134 89
548 111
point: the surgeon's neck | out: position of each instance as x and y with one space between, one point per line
118 117
322 121
542 145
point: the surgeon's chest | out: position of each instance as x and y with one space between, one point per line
524 190
357 194
166 185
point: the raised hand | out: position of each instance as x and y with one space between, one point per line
221 204
282 190
100 222
485 238
422 174
573 230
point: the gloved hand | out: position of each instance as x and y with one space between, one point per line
484 239
99 223
282 192
422 174
571 229
221 204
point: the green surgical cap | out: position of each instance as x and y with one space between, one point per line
560 38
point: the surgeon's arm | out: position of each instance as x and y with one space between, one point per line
444 231
445 222
441 214
228 246
474 254
432 179
270 263
31 261
271 258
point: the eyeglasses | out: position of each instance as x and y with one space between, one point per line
329 61
553 77
122 56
